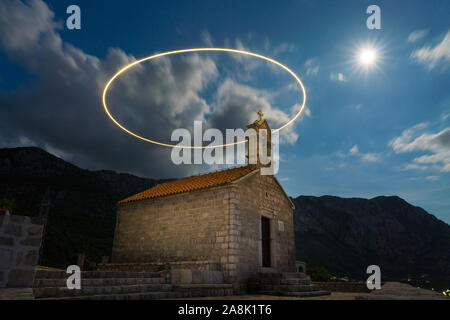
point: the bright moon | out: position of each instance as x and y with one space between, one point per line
367 57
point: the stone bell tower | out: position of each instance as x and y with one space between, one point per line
259 142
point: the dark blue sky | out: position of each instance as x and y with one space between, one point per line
381 132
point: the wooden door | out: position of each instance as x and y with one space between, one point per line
265 239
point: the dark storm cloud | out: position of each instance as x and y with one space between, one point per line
62 110
63 114
236 105
166 92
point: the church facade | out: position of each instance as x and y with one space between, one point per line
236 221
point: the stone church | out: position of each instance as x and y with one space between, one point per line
236 221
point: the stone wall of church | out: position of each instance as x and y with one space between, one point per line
256 196
186 227
219 226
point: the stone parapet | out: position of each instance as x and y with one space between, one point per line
20 241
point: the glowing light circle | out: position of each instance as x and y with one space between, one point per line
108 84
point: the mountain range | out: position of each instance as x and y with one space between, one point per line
344 235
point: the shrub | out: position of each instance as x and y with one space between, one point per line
9 204
318 274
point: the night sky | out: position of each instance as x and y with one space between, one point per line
377 127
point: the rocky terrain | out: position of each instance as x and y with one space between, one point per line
347 235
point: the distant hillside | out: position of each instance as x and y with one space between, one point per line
347 235
343 235
83 202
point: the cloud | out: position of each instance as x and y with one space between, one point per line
445 117
337 77
312 67
413 166
358 106
417 35
431 57
427 178
370 157
277 49
436 146
236 105
354 150
207 38
367 157
283 48
61 111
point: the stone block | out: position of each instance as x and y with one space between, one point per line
35 230
6 256
13 229
31 258
15 218
181 276
197 276
231 266
216 277
18 258
6 241
37 220
20 278
233 245
34 242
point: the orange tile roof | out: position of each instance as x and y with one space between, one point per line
203 181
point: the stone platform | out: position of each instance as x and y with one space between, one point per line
16 294
120 285
296 284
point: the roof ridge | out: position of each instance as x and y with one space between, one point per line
210 172
191 183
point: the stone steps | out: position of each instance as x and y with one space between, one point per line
99 282
296 284
45 292
111 285
317 293
45 274
276 281
124 296
290 288
204 290
52 284
304 294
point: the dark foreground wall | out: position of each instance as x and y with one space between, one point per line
20 240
